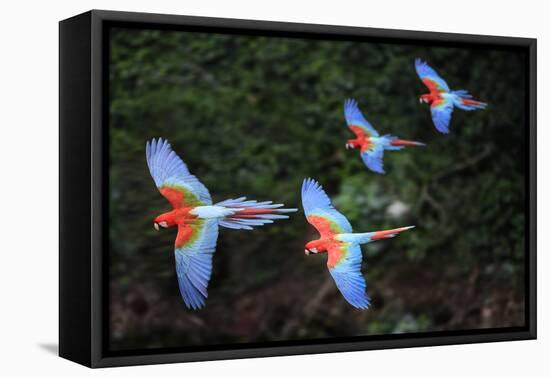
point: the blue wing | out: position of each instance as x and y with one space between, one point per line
348 278
194 263
317 203
429 77
374 158
441 116
168 170
354 117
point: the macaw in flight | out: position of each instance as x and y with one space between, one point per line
197 220
367 139
441 98
338 240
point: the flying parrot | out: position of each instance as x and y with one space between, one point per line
338 240
197 220
367 139
441 98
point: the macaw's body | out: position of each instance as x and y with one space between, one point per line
370 144
340 243
441 98
197 220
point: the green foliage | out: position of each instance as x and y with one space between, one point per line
254 116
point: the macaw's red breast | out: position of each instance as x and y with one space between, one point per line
183 215
363 139
434 98
328 229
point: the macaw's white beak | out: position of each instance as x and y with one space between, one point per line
348 146
156 225
309 251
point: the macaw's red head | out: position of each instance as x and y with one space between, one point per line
314 246
426 99
163 221
353 143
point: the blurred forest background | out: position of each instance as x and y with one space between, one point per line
254 116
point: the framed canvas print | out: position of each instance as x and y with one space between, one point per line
234 188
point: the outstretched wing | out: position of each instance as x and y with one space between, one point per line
319 210
172 177
344 264
194 248
354 118
374 158
429 77
441 115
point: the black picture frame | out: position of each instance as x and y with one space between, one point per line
83 188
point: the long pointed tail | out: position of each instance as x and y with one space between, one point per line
388 233
465 101
401 142
252 213
366 237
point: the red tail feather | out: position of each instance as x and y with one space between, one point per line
249 214
401 142
255 211
389 233
469 102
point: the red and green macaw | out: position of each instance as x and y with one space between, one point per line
367 139
441 98
197 219
338 240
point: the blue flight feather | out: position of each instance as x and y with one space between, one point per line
354 117
194 264
426 72
349 279
167 168
316 202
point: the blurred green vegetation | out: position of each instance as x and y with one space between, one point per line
254 116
